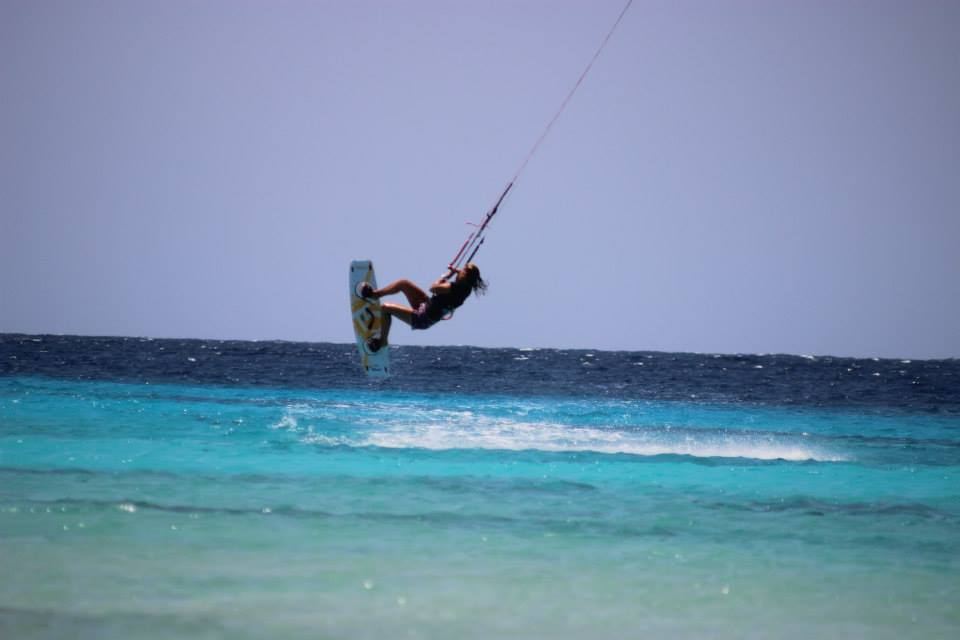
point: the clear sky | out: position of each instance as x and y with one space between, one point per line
731 177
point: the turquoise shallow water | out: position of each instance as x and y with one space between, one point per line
156 509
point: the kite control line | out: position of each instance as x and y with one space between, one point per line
475 240
476 237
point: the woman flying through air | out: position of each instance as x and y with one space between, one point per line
424 310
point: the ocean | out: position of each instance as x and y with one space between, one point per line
223 489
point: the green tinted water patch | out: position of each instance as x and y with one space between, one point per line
295 575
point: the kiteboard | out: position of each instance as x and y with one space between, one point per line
367 316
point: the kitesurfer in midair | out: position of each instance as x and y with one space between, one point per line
424 310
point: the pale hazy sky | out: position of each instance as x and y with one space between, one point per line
732 176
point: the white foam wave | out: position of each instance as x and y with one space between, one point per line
290 420
485 426
519 436
287 421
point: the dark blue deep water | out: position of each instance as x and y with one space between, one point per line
929 386
202 488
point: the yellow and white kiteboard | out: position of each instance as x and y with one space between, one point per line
367 316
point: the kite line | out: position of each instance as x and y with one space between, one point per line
476 238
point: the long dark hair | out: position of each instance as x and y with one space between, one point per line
473 279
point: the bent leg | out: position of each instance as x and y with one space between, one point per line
415 295
390 311
396 311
